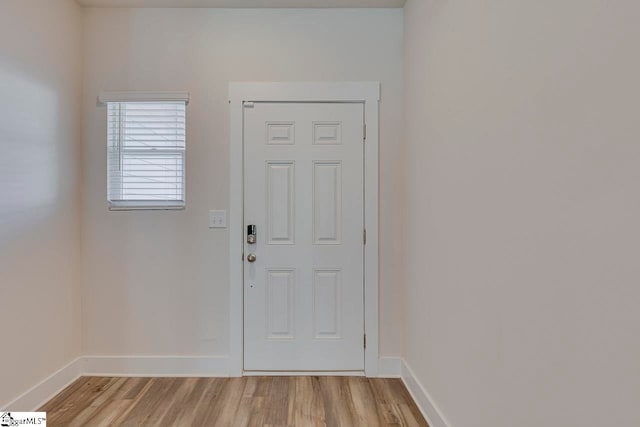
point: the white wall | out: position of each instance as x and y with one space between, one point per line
523 202
156 283
40 74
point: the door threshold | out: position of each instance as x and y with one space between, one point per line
303 373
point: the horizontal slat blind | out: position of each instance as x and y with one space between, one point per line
146 154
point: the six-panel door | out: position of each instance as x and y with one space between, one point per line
303 190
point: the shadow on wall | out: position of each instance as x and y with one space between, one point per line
29 164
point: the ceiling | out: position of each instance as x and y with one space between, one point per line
244 3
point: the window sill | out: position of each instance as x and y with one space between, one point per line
137 206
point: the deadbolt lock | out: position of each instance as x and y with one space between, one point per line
251 234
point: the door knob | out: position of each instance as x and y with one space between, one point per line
251 257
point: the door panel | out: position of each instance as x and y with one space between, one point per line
327 202
280 203
303 295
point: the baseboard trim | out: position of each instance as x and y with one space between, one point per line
156 366
42 392
390 367
180 366
427 406
303 373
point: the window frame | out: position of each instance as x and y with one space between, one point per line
146 97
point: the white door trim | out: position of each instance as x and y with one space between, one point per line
369 94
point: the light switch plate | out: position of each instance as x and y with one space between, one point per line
217 219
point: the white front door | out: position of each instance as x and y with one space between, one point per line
303 192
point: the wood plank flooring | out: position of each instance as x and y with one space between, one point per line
246 401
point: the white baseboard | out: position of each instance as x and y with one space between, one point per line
156 366
390 367
303 373
42 392
422 398
191 366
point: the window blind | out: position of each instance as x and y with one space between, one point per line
146 154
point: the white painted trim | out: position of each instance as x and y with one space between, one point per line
46 389
390 367
369 94
236 236
303 373
156 366
421 397
304 92
123 96
371 207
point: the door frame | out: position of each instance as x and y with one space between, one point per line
367 93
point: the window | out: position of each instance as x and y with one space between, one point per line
146 154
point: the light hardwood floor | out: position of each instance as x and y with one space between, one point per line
246 401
